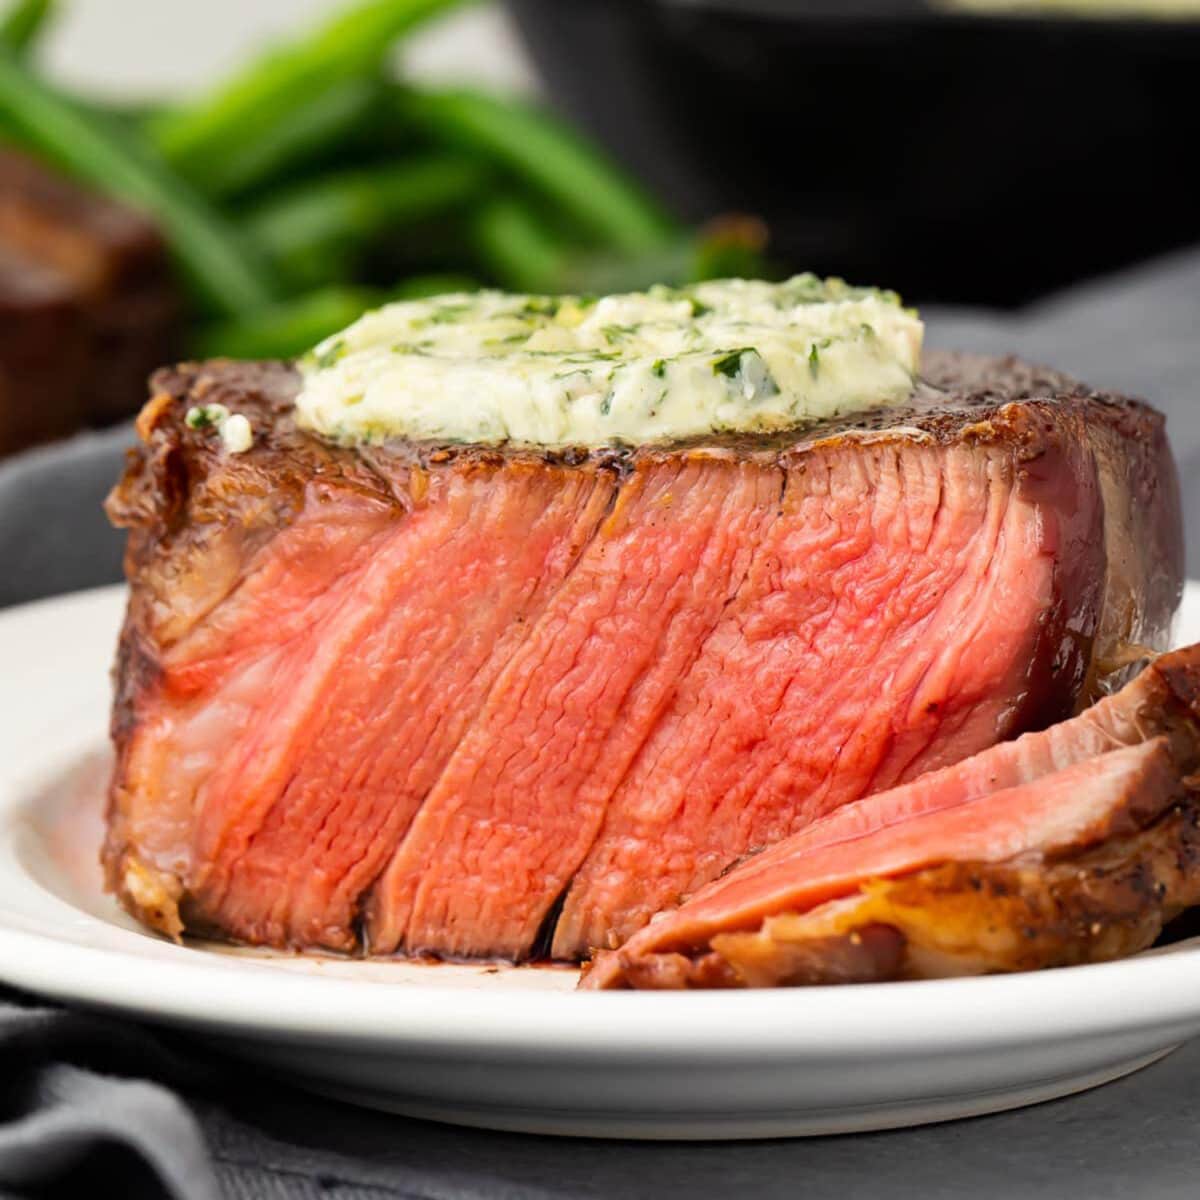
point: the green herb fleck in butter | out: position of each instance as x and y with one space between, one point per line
206 416
727 356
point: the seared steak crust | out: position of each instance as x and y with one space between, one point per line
415 697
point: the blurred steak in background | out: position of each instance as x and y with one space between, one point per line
88 306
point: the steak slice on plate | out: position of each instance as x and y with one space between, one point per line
1071 845
480 702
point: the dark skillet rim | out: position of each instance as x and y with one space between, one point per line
909 14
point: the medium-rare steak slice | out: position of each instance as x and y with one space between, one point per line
475 701
1071 845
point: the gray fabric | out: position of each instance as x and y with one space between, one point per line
102 1106
265 1141
76 1103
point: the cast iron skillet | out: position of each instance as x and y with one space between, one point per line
953 156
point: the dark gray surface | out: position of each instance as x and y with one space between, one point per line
54 536
1137 333
101 1106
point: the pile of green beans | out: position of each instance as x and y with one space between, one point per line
23 22
313 185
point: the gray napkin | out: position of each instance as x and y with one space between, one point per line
84 1129
76 1103
102 1105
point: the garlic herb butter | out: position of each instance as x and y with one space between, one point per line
234 430
727 356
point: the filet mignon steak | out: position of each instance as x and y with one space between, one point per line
455 700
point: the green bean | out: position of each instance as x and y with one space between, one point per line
314 231
545 154
285 330
326 119
730 246
137 114
24 22
518 246
294 327
418 287
219 268
198 138
523 250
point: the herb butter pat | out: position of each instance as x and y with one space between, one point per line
730 356
234 430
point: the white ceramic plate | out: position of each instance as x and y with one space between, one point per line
517 1048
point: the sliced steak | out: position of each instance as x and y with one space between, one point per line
1070 845
476 702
